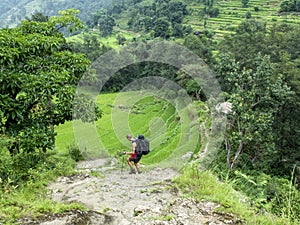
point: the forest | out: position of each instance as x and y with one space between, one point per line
252 47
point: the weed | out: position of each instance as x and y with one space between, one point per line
75 152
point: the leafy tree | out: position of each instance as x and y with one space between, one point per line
248 15
162 28
38 16
281 44
190 85
106 24
248 40
154 16
200 45
121 39
91 47
245 3
290 6
209 10
38 79
256 98
177 30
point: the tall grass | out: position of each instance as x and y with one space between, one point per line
203 185
30 197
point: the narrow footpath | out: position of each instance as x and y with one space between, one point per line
119 198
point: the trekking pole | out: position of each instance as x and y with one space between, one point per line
122 164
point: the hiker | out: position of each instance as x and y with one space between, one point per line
133 156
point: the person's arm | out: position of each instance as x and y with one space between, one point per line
133 149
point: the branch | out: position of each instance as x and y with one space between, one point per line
240 148
228 149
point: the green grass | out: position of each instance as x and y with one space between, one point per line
33 201
232 13
172 133
205 186
170 130
31 198
111 40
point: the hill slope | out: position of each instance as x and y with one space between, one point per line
13 11
171 132
232 12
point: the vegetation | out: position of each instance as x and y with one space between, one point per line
38 83
290 6
257 65
12 12
204 186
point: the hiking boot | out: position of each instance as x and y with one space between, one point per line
139 172
132 172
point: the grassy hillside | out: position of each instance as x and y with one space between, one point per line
170 138
232 13
170 131
13 11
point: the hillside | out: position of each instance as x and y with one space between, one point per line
62 123
133 21
161 194
13 11
166 125
231 13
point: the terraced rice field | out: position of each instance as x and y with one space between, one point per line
232 13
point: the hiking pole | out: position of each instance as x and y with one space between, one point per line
122 164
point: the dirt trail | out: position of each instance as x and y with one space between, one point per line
115 198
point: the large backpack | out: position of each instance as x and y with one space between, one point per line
142 146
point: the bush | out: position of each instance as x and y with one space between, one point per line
248 15
276 195
75 152
28 167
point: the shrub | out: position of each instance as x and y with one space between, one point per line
75 152
276 195
248 15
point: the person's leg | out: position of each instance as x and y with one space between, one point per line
132 170
138 168
136 163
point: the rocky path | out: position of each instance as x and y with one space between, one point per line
115 198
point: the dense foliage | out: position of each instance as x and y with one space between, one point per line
12 12
38 78
290 6
257 66
279 44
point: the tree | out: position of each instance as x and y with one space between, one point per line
177 30
38 79
106 24
161 28
200 45
209 10
248 15
91 47
256 97
281 44
245 3
290 6
38 16
121 39
248 40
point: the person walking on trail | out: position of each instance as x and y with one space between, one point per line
134 158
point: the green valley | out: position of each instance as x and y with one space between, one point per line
214 86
